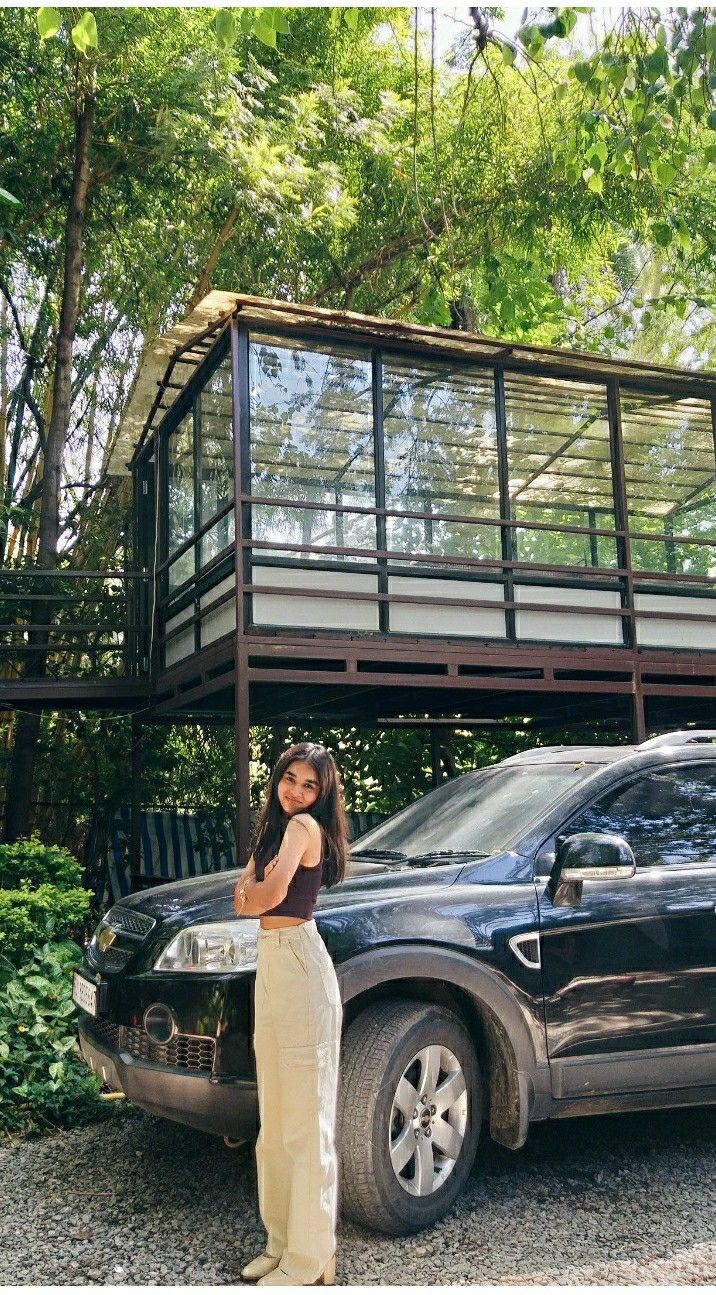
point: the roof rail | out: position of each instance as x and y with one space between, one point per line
680 738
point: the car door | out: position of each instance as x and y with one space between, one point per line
629 968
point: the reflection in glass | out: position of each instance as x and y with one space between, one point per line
216 460
180 513
484 811
560 469
440 456
670 468
668 816
311 440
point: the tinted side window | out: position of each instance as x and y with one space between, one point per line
668 816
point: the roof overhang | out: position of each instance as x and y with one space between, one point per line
169 357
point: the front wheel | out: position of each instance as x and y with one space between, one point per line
409 1114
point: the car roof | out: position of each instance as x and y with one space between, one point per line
572 755
681 740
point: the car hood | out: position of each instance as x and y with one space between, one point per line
210 898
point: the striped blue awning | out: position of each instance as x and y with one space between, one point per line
173 845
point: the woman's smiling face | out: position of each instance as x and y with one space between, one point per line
298 789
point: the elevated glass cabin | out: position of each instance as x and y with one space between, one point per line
404 484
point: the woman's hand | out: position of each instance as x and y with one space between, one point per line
249 875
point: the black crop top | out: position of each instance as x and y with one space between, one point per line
301 895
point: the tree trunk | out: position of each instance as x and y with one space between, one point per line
27 727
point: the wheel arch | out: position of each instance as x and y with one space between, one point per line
505 1045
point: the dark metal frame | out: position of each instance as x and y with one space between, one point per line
239 667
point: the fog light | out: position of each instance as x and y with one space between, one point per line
159 1023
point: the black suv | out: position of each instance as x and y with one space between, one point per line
532 940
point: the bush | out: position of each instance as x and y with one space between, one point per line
30 917
31 861
44 1083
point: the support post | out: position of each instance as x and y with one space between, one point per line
508 540
638 715
435 756
381 525
242 568
135 808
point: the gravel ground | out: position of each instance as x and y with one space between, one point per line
619 1200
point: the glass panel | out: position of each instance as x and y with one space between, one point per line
668 816
311 439
180 521
440 456
670 470
483 811
560 469
216 460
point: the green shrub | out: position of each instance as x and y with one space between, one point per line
30 917
29 860
44 1083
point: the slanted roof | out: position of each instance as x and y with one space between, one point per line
213 309
216 307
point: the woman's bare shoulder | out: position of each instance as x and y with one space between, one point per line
310 824
313 828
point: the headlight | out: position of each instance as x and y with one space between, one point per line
214 946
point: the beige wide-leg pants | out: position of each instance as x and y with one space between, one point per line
297 1034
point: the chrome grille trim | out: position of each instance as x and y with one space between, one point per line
191 1052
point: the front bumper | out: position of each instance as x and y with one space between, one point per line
219 1104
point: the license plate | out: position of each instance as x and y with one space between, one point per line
87 994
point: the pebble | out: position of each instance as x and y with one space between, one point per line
618 1200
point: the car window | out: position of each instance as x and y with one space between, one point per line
483 811
668 816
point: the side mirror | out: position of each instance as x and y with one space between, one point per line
594 856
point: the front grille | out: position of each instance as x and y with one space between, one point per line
129 921
127 926
111 960
183 1052
106 1032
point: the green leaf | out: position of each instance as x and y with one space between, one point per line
281 23
508 55
595 183
226 29
711 121
663 233
84 33
265 32
581 72
665 173
49 22
9 197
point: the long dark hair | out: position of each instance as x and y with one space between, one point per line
327 810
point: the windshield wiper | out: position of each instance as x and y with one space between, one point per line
378 854
451 854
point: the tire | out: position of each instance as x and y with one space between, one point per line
375 1136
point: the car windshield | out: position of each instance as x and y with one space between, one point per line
480 813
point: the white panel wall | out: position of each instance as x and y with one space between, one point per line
477 622
305 612
555 626
183 645
223 621
653 632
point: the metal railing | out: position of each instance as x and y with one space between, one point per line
508 573
73 623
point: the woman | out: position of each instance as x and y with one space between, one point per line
300 842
